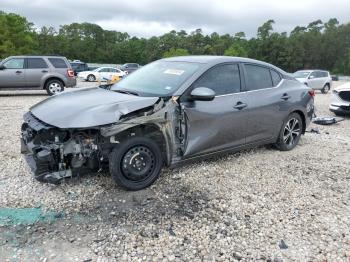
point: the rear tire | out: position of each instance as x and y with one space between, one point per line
325 89
290 133
136 163
91 78
54 87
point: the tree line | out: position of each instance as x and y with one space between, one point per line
317 45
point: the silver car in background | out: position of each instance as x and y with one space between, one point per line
315 79
340 101
52 73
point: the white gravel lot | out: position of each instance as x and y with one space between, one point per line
260 204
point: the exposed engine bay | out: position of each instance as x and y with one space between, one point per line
54 153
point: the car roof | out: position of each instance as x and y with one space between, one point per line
312 70
209 59
36 56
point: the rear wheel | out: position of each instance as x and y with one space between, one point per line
325 89
91 78
54 87
290 133
136 163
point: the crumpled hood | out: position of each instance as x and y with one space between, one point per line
88 107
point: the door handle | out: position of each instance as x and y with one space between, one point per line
44 71
285 96
18 72
240 105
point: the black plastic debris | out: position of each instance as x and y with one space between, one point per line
282 244
314 130
327 120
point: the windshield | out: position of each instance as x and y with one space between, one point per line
161 78
97 69
301 74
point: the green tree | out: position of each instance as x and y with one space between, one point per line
175 52
17 35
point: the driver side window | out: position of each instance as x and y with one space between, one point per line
223 79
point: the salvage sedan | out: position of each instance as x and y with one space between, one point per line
340 101
167 113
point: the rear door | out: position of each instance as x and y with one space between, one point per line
14 74
36 69
218 124
266 102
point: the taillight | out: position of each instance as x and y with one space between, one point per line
312 93
70 73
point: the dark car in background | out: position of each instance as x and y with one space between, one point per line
168 112
79 66
52 73
130 67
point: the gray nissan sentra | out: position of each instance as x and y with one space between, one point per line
165 114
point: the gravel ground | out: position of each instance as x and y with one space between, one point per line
259 204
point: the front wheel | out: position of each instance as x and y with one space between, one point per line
290 133
136 163
91 78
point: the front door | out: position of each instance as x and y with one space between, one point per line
14 74
218 124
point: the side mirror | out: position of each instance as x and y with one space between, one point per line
311 77
202 94
2 67
126 66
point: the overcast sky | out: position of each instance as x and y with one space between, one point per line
154 17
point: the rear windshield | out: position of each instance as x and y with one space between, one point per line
58 62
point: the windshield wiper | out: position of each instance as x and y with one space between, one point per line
127 92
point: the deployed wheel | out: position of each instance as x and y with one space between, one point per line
136 163
54 87
325 89
91 78
290 133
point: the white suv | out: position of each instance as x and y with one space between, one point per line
316 79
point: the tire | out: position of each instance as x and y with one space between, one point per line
91 78
142 160
325 89
290 133
54 87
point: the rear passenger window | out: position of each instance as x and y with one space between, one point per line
58 62
223 79
258 77
276 78
33 63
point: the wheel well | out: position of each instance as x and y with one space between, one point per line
52 78
151 131
301 114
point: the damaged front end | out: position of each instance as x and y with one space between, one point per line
55 153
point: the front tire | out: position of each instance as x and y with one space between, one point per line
91 78
54 87
136 163
290 132
325 89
